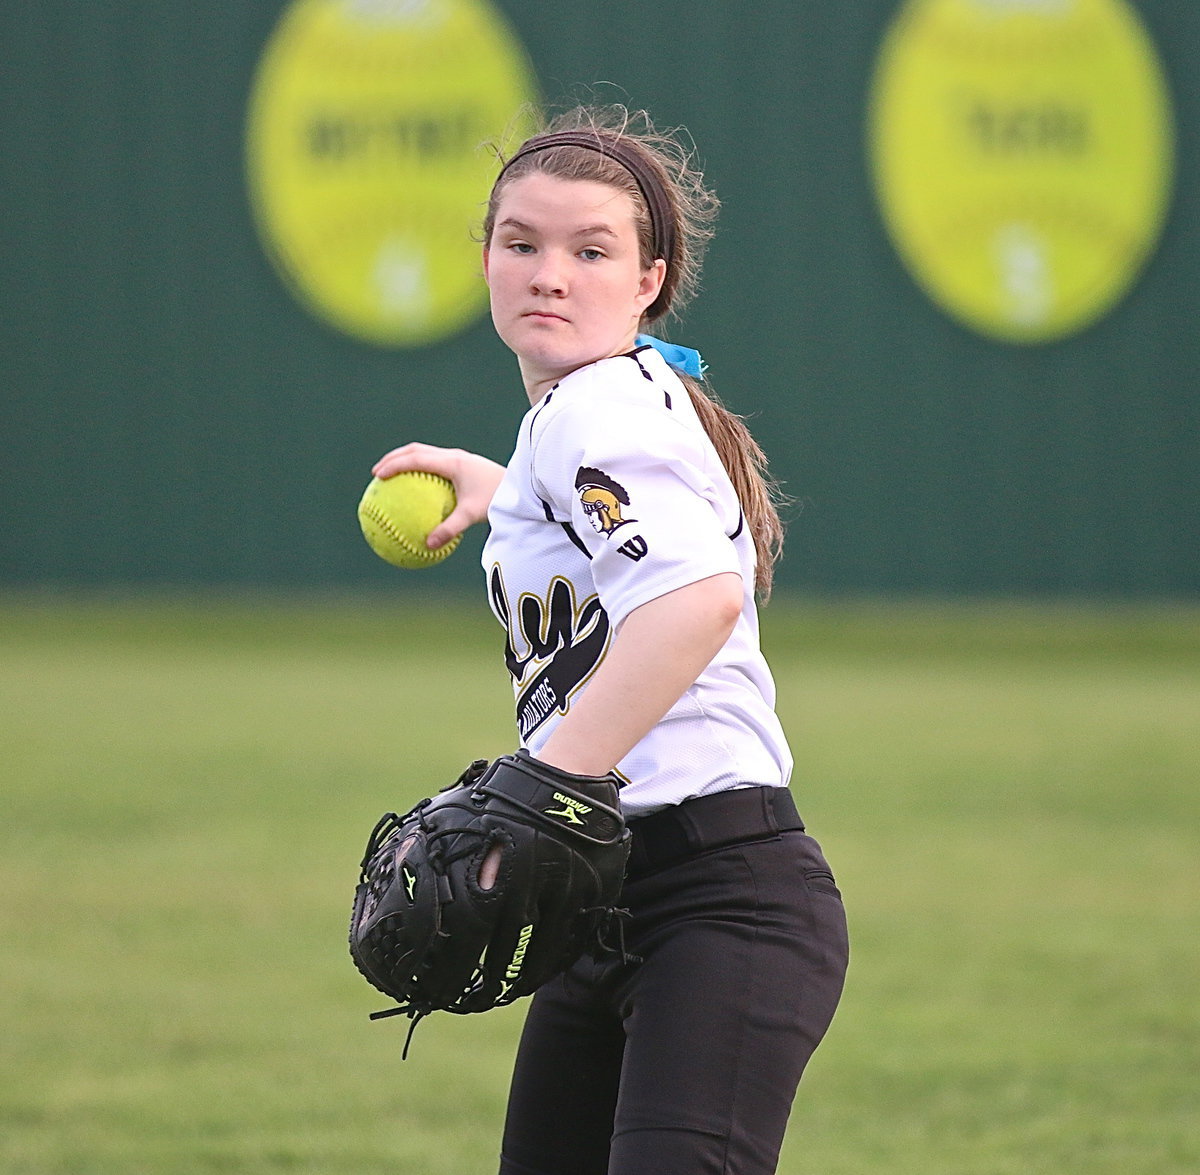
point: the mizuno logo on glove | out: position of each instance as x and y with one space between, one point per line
513 971
572 811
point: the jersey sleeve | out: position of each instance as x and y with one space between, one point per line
643 493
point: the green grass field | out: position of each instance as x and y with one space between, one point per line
1008 794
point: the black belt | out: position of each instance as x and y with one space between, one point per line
710 822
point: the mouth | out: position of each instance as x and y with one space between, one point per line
543 316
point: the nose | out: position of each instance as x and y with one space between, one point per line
549 276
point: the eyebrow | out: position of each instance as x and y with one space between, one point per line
591 230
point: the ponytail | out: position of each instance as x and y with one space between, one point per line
746 464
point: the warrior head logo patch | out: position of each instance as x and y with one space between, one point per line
602 499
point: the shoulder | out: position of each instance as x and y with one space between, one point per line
630 418
636 392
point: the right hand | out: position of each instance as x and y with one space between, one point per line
474 478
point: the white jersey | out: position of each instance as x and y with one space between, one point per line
614 496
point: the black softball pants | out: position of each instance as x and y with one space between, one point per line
687 1061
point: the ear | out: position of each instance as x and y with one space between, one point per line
485 263
651 283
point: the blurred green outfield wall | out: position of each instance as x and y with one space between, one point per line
172 416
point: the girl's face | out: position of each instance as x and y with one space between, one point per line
566 281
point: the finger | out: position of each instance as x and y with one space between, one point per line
451 526
409 458
391 463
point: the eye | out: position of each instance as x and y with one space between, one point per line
524 248
590 254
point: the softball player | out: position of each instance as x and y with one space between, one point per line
628 535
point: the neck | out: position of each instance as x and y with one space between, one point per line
538 381
537 386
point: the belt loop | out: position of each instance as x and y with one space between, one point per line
693 834
767 798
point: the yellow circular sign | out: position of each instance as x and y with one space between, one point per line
1022 154
366 161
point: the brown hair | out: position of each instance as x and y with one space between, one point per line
630 155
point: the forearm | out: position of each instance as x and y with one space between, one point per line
658 652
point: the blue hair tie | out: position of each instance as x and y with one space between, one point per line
681 358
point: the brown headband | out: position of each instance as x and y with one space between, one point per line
662 220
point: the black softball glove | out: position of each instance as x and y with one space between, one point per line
436 930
